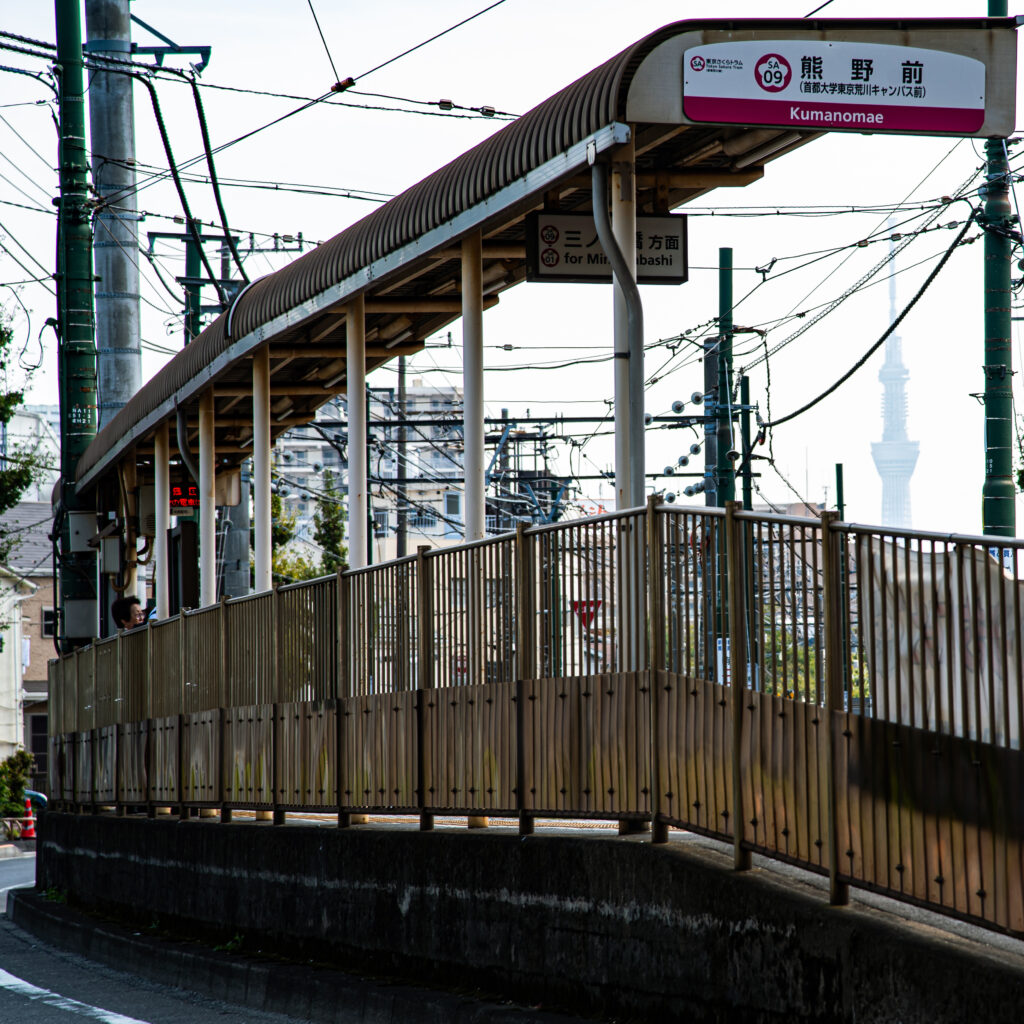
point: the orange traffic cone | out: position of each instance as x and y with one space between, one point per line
28 830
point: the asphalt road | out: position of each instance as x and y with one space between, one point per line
40 984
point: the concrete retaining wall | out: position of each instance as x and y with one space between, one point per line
603 926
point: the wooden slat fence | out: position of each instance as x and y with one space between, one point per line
842 697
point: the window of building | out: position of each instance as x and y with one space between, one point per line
453 505
37 742
49 622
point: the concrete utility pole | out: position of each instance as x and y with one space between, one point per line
77 348
116 241
998 498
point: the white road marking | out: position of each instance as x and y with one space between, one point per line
43 995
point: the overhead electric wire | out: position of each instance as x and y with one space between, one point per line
151 259
29 40
327 49
419 46
229 238
138 266
7 232
892 327
26 176
893 253
46 163
27 52
189 222
449 105
763 326
21 191
302 188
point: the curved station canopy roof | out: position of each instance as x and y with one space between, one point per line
404 258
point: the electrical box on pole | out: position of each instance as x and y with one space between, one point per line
78 618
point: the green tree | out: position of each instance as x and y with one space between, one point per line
329 527
21 465
286 565
15 771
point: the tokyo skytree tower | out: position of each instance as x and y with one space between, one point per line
895 457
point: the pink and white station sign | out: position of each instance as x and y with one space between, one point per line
834 85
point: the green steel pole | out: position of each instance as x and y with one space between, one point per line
748 461
725 468
840 496
77 345
193 290
998 494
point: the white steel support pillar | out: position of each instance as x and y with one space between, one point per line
473 385
162 504
473 443
207 502
261 468
358 505
629 365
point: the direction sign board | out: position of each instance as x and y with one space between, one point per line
565 247
834 85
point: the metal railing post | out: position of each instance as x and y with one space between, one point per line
74 730
222 624
737 674
276 718
524 666
839 892
147 698
342 686
222 693
183 663
655 661
94 734
424 671
117 715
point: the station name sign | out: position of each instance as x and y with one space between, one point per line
834 85
565 247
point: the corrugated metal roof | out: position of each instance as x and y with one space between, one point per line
294 305
566 118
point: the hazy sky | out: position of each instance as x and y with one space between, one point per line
512 58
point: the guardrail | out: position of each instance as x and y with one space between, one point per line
847 698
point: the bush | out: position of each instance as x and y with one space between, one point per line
15 772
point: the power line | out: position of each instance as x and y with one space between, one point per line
892 327
27 39
893 253
46 163
323 40
418 46
283 186
21 191
4 228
